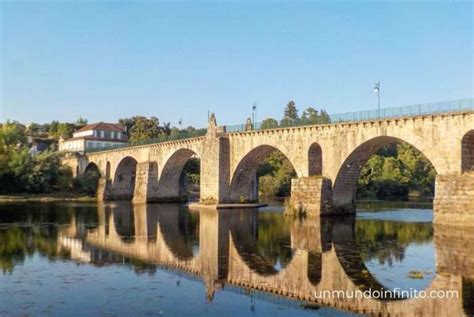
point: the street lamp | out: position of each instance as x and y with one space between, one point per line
254 114
377 91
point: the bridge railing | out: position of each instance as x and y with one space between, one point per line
367 115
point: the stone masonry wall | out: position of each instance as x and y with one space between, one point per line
454 200
146 183
311 195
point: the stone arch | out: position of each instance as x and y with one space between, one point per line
244 182
92 174
92 168
124 179
169 181
315 160
345 184
467 152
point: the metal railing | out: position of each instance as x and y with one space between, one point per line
367 115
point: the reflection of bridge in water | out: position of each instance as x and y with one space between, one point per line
325 256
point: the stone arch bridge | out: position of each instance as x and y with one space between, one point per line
327 159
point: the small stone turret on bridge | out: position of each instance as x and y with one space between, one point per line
327 159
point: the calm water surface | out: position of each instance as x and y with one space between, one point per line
69 259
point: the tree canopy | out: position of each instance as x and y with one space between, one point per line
141 128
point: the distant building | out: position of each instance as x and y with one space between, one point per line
95 136
38 145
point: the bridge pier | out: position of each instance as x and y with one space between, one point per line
454 199
214 165
104 189
146 183
311 196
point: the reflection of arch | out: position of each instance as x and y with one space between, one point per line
169 182
124 222
345 185
124 178
468 296
315 160
467 154
245 238
314 267
348 254
244 182
180 230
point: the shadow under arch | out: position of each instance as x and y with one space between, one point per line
92 176
124 178
170 183
345 185
244 182
92 168
315 159
467 152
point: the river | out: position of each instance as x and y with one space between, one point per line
118 259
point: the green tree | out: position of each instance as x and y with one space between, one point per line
65 130
290 111
12 134
60 129
280 170
33 129
324 117
396 170
81 122
269 123
313 116
141 128
290 115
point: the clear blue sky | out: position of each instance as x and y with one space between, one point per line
106 60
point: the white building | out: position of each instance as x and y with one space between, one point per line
95 136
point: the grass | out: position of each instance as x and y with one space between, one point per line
416 275
46 197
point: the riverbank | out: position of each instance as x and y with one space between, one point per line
45 197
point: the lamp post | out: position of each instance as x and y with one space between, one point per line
254 114
377 91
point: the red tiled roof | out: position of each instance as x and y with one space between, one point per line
102 126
